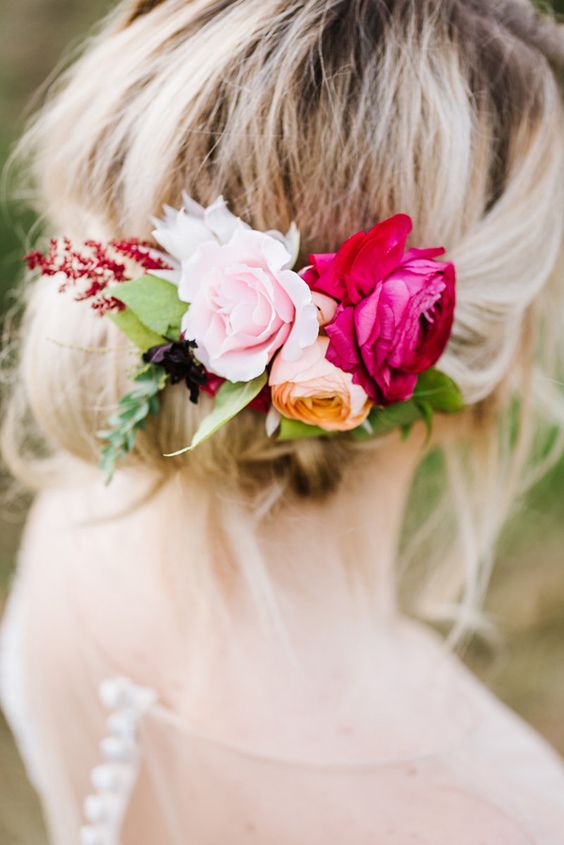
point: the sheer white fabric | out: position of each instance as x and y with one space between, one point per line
491 778
192 790
440 760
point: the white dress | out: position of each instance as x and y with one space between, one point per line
123 760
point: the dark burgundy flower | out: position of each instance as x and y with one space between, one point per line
177 359
263 401
213 383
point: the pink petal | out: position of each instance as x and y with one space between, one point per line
326 307
379 255
418 254
343 350
397 387
321 261
366 318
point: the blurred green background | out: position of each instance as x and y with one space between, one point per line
526 601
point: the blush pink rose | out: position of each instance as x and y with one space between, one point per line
316 392
245 305
395 310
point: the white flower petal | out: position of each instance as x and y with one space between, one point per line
182 238
291 242
191 207
221 221
272 422
169 216
170 275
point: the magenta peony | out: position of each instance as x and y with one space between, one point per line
395 309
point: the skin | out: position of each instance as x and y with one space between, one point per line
349 724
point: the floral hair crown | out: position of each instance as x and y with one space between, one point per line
346 344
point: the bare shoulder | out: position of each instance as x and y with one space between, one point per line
497 749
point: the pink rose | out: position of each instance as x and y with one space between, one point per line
316 392
245 305
396 308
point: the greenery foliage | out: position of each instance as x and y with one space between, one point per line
435 391
230 399
155 303
134 408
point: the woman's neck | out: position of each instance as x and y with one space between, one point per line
325 573
330 558
321 572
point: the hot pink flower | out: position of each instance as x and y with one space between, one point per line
396 308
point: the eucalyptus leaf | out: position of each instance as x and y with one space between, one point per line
128 323
155 302
230 399
134 408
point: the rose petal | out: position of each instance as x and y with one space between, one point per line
326 307
418 254
378 256
343 350
305 328
332 281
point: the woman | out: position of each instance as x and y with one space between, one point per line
245 593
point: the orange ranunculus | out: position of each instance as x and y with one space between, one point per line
316 392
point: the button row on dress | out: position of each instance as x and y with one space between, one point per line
114 779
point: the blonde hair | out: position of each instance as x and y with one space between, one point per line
333 114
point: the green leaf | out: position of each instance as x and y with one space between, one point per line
382 420
439 391
426 411
131 325
133 410
406 431
154 301
230 399
295 430
434 391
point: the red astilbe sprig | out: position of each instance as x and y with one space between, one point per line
95 267
142 253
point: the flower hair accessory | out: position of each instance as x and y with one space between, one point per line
347 344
